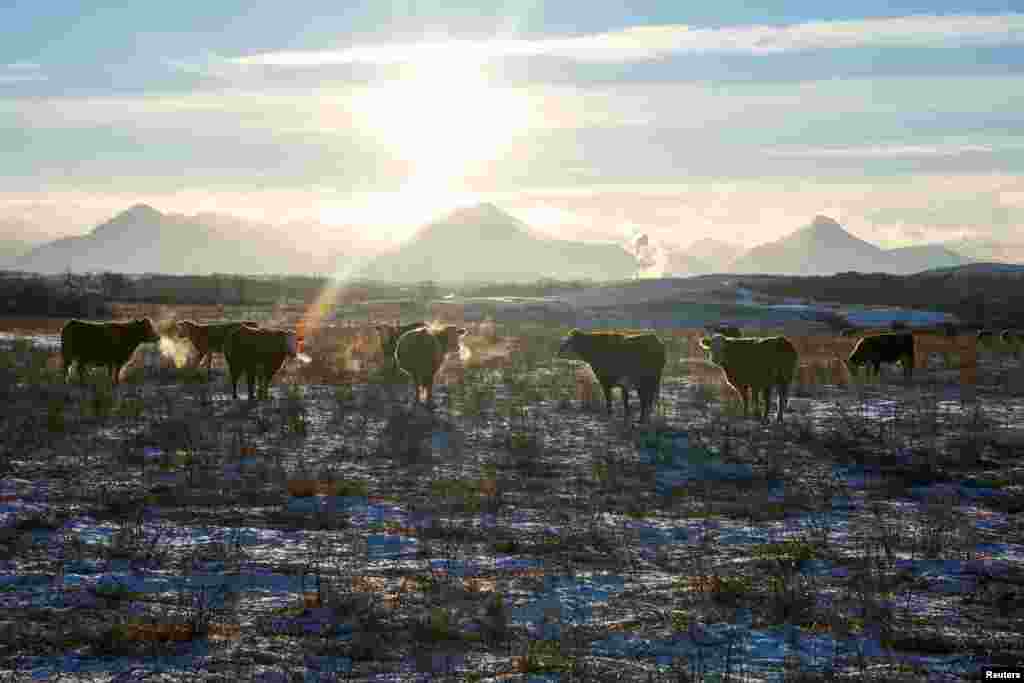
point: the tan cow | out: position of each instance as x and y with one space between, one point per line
757 364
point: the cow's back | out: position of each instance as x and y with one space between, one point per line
747 358
418 353
639 355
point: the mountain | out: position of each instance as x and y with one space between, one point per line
144 240
821 248
825 248
483 243
715 254
909 260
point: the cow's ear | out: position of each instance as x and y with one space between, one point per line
462 331
574 332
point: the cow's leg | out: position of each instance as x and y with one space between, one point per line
234 382
625 400
783 398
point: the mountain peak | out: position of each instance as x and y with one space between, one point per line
141 211
822 222
485 211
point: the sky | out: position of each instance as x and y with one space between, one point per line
734 120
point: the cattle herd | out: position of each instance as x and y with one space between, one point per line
627 361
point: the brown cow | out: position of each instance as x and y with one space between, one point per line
420 353
209 338
257 353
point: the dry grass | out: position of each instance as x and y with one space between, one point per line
518 461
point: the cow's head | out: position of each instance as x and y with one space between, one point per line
568 347
291 343
854 362
387 334
451 338
713 347
147 331
181 328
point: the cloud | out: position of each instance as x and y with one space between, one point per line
21 72
646 43
896 151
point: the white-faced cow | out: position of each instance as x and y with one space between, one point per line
621 360
873 350
755 363
109 344
257 353
420 353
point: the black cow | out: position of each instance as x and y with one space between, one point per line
109 344
622 360
873 350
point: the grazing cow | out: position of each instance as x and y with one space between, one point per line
873 350
257 353
389 336
758 364
109 344
420 352
621 360
209 339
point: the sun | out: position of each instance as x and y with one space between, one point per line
444 117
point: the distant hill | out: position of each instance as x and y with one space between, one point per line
144 240
989 270
825 248
715 254
990 251
907 260
483 243
681 263
17 238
